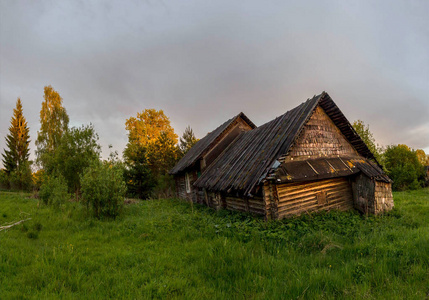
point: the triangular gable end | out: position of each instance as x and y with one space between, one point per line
342 125
320 137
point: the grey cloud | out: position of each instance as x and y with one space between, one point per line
204 62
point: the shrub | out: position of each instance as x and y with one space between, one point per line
32 235
4 180
76 150
103 189
38 226
21 178
53 191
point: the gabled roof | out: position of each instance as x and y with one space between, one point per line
205 144
250 157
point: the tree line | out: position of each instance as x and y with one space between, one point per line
405 166
68 160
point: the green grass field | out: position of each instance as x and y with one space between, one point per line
168 249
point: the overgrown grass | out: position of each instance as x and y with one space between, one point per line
168 249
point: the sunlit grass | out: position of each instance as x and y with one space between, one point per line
166 249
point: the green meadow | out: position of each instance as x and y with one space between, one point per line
168 249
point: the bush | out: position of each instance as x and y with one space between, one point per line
103 189
21 178
4 180
32 235
53 191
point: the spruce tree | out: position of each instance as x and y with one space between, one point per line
17 141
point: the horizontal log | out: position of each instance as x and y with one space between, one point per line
316 182
310 203
314 208
281 190
329 191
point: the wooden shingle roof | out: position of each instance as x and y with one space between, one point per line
323 168
205 144
247 161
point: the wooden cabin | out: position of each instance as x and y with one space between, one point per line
203 154
306 160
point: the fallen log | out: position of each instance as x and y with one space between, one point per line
11 225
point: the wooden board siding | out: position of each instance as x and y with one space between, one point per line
320 138
254 205
181 192
371 196
297 198
383 197
180 186
363 194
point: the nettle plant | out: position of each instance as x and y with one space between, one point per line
103 189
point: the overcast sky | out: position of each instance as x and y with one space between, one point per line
203 62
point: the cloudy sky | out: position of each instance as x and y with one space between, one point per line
203 62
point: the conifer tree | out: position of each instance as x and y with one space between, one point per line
17 141
53 123
187 140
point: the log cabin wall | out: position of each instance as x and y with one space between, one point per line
297 198
319 138
254 205
214 200
271 200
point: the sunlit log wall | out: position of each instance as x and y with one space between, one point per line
286 200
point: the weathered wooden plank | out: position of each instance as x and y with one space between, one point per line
298 185
305 193
341 201
338 206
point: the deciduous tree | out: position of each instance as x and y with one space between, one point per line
367 136
152 131
422 157
53 124
403 167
